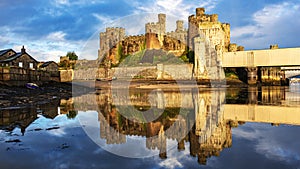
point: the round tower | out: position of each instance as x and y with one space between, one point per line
162 23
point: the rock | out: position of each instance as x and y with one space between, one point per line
13 141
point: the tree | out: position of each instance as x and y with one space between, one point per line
72 55
72 114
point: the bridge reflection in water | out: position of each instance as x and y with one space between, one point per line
203 118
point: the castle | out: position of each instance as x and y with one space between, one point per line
203 42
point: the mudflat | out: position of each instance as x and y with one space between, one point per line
11 96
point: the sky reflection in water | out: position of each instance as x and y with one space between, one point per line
62 143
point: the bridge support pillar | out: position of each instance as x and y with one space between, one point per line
252 75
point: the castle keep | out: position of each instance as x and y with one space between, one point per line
202 44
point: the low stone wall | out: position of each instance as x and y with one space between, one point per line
85 74
159 72
145 72
175 72
15 76
66 75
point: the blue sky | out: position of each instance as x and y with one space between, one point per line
51 28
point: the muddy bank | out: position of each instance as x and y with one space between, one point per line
24 97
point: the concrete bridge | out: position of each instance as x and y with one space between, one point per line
291 72
270 66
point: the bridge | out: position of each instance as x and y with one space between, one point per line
262 58
270 65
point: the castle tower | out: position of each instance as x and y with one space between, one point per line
208 25
109 39
158 27
162 23
179 26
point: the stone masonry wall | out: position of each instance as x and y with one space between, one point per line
16 76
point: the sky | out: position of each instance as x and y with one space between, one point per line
50 28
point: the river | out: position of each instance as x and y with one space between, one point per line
253 127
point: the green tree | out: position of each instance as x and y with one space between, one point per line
72 55
72 114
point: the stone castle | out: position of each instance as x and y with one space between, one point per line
206 38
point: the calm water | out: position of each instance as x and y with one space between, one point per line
204 128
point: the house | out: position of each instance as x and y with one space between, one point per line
10 58
5 54
49 66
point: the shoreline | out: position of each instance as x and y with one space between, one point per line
167 84
22 97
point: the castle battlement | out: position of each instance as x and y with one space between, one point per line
202 17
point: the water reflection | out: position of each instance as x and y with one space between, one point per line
18 117
202 118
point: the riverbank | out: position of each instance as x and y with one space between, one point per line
54 91
24 97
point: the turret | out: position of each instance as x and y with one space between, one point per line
200 11
179 25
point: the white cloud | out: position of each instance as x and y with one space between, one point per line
56 36
89 2
273 24
179 8
61 3
171 163
104 19
269 143
46 48
176 159
146 11
52 12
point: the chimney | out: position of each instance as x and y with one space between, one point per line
23 50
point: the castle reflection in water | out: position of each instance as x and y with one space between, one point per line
202 117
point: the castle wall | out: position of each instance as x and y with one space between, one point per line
132 44
175 72
152 41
